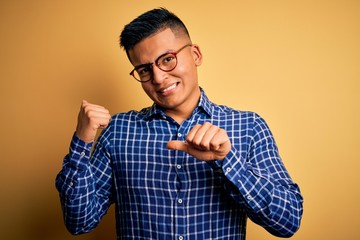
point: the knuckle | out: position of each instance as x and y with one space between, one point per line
197 142
204 145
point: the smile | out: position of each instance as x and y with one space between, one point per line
168 88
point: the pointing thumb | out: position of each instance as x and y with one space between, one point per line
177 145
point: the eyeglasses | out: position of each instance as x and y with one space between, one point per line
165 62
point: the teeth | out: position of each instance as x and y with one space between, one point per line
169 88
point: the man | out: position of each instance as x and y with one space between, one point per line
184 168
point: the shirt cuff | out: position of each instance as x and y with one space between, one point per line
253 184
79 153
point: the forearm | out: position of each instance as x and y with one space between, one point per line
282 214
82 207
78 203
271 200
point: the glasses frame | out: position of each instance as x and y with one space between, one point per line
150 65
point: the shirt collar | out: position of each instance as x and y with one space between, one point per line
204 105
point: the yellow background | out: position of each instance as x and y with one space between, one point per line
296 63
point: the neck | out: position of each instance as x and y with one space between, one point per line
178 117
183 112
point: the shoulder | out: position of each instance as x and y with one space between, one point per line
231 118
229 112
132 115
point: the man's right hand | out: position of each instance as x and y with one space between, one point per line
91 118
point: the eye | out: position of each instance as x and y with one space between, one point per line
144 70
168 58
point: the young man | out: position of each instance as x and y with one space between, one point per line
184 168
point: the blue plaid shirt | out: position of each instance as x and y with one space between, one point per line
167 194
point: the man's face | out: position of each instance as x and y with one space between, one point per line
177 91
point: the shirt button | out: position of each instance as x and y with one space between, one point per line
82 154
249 197
71 184
180 201
228 169
179 134
181 238
178 166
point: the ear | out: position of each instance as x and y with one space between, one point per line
196 54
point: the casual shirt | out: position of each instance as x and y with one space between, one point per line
167 194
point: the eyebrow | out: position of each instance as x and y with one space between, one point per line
150 63
142 65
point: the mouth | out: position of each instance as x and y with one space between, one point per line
168 89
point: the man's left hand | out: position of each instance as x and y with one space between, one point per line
205 142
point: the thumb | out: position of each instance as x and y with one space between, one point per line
177 145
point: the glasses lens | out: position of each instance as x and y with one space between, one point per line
143 73
167 62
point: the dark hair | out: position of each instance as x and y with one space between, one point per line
149 23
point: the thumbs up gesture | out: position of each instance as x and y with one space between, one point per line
91 118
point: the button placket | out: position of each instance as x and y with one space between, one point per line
180 201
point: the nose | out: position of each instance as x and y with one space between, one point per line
158 75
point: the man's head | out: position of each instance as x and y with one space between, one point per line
150 23
165 61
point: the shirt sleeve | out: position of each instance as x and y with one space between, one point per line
84 184
261 183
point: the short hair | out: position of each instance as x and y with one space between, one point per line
149 23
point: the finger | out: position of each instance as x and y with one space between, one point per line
185 147
104 122
95 108
177 145
210 139
197 133
190 136
94 116
99 120
203 136
98 114
89 106
221 143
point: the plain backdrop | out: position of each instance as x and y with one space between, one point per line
296 63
